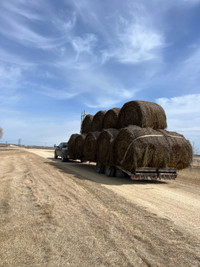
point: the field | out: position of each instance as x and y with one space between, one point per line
65 214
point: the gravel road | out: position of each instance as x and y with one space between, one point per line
64 214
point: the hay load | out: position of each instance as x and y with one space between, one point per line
97 122
142 113
137 147
90 146
181 152
86 124
78 146
110 119
105 147
71 146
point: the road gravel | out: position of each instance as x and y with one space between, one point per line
54 213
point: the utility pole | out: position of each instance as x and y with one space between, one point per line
19 142
82 117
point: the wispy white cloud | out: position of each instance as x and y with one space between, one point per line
103 90
182 105
26 36
20 23
20 8
57 93
183 76
190 68
135 43
84 44
13 59
10 80
109 100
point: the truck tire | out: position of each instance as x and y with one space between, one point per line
63 159
55 155
110 171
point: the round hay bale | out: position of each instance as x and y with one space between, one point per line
97 122
110 119
90 146
105 147
137 147
142 113
78 146
86 124
71 146
181 153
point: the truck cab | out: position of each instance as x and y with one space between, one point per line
61 151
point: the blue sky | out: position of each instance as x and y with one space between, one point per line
59 58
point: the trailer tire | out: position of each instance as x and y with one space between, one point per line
110 171
100 168
120 174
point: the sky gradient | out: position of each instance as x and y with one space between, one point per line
59 58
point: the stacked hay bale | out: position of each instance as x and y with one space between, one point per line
131 137
141 147
71 146
143 114
97 121
110 119
145 147
86 124
105 147
181 152
78 146
90 146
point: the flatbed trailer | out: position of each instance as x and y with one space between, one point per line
138 173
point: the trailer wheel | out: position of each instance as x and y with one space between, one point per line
100 168
110 171
120 174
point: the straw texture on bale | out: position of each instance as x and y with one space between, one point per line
86 124
90 146
78 146
97 122
181 152
105 147
71 146
142 113
141 147
110 119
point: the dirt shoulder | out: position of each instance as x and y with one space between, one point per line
59 214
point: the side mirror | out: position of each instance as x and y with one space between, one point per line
55 145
